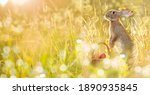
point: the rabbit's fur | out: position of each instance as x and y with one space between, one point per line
118 32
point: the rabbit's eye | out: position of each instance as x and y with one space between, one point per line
113 12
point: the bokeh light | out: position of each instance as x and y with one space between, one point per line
3 2
20 2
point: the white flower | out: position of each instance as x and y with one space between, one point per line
146 72
114 63
13 71
8 63
122 56
79 41
42 75
63 67
117 62
16 50
39 69
5 55
62 54
94 46
86 48
101 72
83 47
20 62
107 63
138 69
6 49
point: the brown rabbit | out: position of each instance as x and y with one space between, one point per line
118 32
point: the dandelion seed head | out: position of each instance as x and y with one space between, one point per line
106 63
122 56
13 71
62 54
115 64
20 62
146 72
63 67
79 41
42 75
86 48
8 63
39 69
6 49
16 50
101 72
94 46
138 69
5 55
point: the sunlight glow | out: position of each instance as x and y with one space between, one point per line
20 2
3 2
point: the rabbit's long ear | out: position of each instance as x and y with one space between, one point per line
126 13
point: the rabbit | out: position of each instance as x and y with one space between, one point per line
117 30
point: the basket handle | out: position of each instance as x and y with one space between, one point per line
107 47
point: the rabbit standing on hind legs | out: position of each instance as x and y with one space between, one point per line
118 33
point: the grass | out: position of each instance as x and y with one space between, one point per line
58 41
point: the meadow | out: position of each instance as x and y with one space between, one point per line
57 39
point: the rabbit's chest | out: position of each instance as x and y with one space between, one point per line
122 37
118 31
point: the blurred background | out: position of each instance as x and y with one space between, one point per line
56 38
